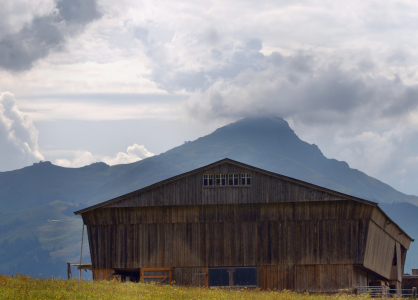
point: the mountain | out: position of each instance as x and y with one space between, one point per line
40 240
268 143
31 196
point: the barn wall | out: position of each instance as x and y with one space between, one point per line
380 250
229 235
331 210
360 277
302 278
189 190
409 282
193 276
102 274
390 228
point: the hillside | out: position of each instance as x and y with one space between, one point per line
32 244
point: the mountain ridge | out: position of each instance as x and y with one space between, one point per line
266 142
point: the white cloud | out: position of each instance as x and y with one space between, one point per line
369 150
82 157
133 154
18 136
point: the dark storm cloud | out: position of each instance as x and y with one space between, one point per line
404 104
19 51
238 80
78 11
301 88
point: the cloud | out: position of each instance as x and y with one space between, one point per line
133 154
45 32
82 157
14 15
18 136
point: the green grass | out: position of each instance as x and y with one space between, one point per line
24 287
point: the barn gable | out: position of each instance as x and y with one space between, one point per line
189 189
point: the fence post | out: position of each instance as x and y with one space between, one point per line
414 293
355 291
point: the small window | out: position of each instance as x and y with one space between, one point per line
236 179
218 277
226 179
218 179
223 179
240 276
230 179
248 179
210 179
243 179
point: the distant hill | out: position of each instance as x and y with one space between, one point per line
267 143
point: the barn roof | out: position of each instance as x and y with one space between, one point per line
239 164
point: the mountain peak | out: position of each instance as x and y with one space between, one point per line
267 124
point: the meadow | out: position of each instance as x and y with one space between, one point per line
25 287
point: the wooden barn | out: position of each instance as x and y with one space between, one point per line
231 224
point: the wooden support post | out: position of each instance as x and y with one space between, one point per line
231 276
68 270
81 251
414 293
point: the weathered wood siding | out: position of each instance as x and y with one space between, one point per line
409 282
190 191
301 278
229 235
391 229
380 250
102 274
190 276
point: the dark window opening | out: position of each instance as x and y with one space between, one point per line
210 180
240 276
126 275
223 179
230 179
245 277
236 179
218 179
395 258
218 277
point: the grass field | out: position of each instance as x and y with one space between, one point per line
24 287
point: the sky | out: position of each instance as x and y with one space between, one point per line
118 81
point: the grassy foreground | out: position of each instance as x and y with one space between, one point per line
24 287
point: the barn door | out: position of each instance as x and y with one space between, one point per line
157 275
